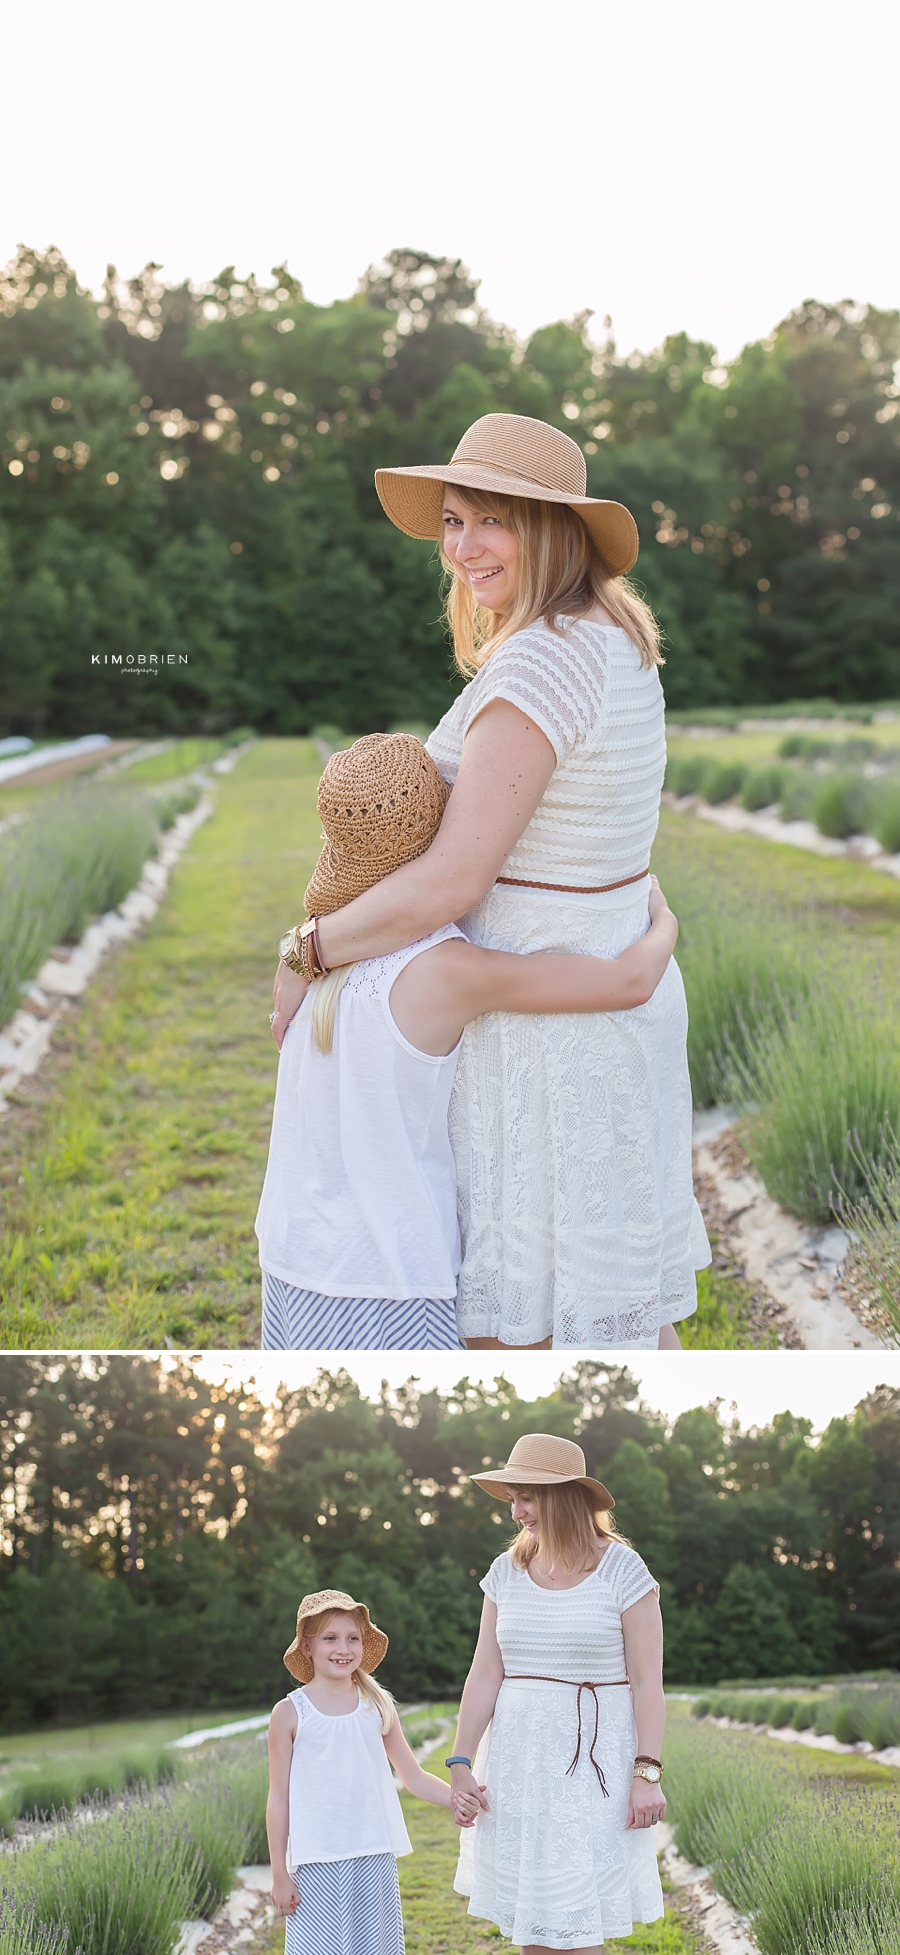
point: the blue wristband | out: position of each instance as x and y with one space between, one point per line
459 1761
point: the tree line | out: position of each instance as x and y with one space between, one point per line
189 471
157 1531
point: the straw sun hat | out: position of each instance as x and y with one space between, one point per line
381 804
512 455
539 1459
375 1641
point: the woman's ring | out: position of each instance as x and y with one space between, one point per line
271 1018
655 1820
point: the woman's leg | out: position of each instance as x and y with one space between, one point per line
669 1339
494 1344
537 1948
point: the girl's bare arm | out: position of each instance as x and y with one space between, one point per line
423 1784
439 992
282 1726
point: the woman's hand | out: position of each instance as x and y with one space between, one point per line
284 1893
467 1797
288 992
646 1804
467 1805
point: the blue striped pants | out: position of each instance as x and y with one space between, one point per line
346 1907
302 1320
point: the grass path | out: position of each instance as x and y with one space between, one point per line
133 1170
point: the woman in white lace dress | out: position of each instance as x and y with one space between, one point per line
561 1720
572 1137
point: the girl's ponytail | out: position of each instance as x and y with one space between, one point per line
325 994
382 1700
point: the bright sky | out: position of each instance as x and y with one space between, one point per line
705 166
818 1385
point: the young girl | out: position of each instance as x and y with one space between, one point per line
357 1225
333 1816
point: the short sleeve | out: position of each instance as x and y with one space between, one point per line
556 677
494 1581
633 1579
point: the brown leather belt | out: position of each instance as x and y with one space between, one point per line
618 1683
575 889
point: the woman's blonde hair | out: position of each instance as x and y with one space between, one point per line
570 1527
325 994
382 1699
561 574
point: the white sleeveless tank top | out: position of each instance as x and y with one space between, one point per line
342 1801
359 1198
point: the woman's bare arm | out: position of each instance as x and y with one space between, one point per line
477 1703
506 765
505 768
643 1633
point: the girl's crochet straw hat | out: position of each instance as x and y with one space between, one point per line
539 1459
511 455
381 805
375 1641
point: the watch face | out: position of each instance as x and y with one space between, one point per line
651 1772
286 946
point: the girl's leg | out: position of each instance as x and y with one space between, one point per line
669 1339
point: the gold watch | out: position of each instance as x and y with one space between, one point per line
289 949
652 1773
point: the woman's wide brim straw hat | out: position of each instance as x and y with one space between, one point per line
375 1641
381 804
511 455
539 1459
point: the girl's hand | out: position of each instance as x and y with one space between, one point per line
656 904
646 1804
284 1893
288 993
466 1807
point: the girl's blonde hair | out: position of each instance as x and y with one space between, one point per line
561 574
325 994
569 1527
382 1699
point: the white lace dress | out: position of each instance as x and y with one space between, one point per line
572 1134
552 1863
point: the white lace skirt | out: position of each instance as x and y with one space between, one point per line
572 1138
552 1863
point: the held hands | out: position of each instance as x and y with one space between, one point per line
467 1797
646 1805
288 993
284 1893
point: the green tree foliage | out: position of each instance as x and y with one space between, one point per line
157 1531
189 472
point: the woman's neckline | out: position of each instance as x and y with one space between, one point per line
334 1717
570 1586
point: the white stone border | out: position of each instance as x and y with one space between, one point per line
768 824
797 1264
813 1740
725 1929
25 1041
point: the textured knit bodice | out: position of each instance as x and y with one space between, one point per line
602 712
574 1634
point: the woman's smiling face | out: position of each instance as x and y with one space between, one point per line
523 1508
483 552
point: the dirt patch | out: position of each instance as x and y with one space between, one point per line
58 770
765 1313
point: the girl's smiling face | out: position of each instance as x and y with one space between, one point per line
523 1508
337 1649
483 552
